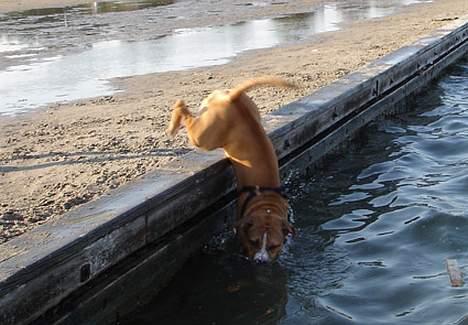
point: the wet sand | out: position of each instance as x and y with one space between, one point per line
215 12
60 157
15 5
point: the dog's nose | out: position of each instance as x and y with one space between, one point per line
261 257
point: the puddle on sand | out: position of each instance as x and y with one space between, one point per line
29 78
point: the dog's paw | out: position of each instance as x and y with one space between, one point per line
171 132
179 103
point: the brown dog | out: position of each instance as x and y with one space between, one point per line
229 119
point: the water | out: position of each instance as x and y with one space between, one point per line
374 229
63 54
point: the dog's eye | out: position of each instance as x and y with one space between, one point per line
273 247
254 242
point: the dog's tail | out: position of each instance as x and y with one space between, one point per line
258 82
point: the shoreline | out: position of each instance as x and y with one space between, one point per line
220 12
65 155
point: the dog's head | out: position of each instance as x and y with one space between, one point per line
263 231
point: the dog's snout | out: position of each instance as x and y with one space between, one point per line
262 257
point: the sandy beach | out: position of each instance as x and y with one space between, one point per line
57 158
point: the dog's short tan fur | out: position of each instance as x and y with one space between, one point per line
229 119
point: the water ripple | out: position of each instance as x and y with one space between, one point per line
413 194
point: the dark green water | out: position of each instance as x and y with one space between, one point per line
375 226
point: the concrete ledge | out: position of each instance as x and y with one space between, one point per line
82 265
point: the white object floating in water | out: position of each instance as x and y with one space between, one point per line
455 275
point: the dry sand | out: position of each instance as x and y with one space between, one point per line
55 159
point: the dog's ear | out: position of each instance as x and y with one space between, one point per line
288 229
243 224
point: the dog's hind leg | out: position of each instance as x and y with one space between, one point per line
179 112
205 132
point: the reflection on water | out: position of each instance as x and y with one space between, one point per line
36 68
374 229
232 279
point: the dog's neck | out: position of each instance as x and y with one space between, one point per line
261 174
271 201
